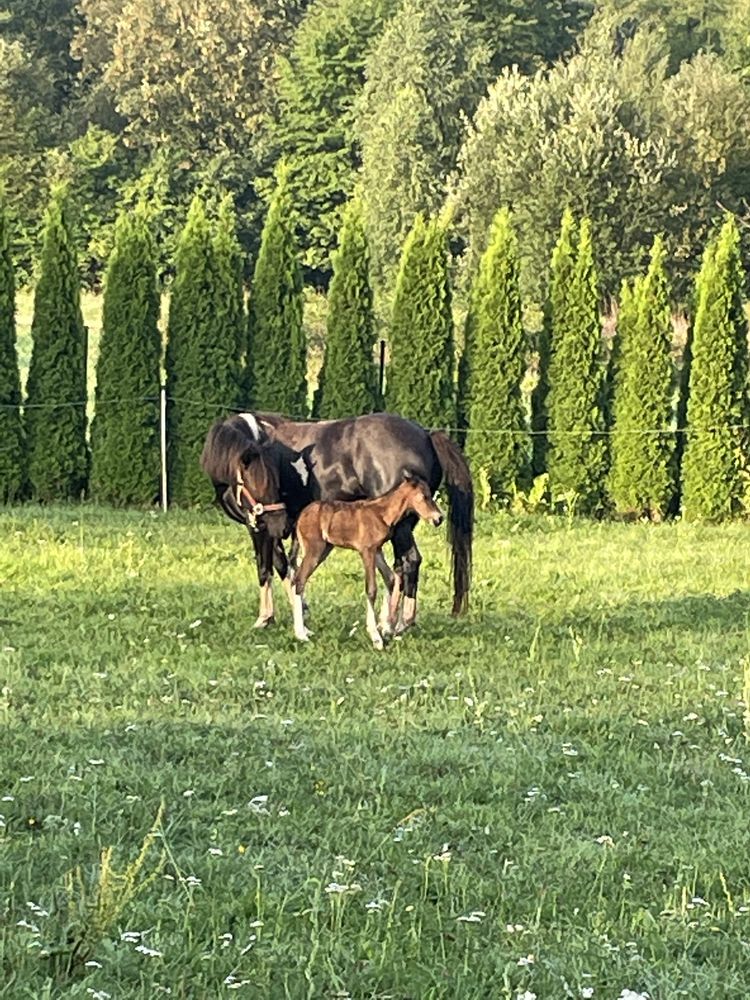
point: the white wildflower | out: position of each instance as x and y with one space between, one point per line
151 952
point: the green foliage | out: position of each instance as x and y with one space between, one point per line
201 359
125 429
420 379
424 80
577 449
642 476
497 442
56 392
349 378
276 372
556 315
715 460
229 317
638 151
318 85
12 474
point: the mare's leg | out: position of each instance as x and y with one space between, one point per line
407 563
283 567
264 555
390 579
316 550
371 589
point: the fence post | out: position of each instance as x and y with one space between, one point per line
163 448
381 375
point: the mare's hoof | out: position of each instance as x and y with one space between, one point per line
303 636
377 642
264 622
402 627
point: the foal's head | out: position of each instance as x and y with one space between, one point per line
259 493
418 498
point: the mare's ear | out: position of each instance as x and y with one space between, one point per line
407 475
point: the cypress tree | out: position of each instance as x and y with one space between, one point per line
55 409
229 318
496 362
125 429
642 477
276 372
420 370
716 453
12 474
201 356
555 318
577 459
348 379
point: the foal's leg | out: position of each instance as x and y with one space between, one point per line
316 550
263 545
390 579
371 589
407 563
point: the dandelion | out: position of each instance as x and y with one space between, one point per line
525 961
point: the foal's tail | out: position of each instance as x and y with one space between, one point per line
457 478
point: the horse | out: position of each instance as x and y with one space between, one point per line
257 461
365 526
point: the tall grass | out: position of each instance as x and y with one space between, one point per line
549 797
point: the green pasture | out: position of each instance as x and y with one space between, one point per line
549 798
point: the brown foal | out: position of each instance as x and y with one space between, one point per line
363 525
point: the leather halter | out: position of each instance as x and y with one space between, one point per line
255 508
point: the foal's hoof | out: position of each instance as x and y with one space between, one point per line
264 622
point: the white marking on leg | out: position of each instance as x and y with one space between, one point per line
266 606
290 591
372 626
300 467
394 601
385 614
252 423
300 631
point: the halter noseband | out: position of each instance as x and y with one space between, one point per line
255 508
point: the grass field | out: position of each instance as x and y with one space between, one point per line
549 798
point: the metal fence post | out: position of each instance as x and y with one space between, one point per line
163 437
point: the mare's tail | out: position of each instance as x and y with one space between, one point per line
457 478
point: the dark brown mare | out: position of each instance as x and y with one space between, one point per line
365 526
258 461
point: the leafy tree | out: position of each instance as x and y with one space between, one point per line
424 79
638 151
318 86
348 380
12 474
125 429
496 353
642 477
420 371
276 372
201 358
577 449
715 459
556 316
55 408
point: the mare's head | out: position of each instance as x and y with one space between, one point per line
419 499
258 491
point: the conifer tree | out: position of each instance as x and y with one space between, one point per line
556 316
642 477
716 453
276 371
577 459
496 362
420 382
348 379
201 356
12 475
230 294
125 429
55 408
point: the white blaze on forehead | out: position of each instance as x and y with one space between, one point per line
252 423
301 469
